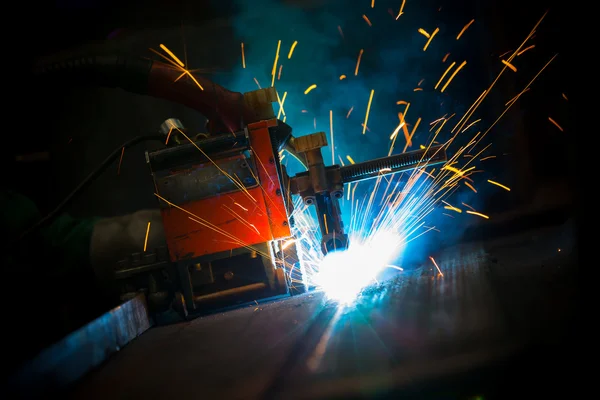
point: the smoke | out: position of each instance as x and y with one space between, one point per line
393 65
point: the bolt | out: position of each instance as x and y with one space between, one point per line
338 195
278 192
228 275
285 223
271 160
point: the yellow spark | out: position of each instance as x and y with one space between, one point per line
453 75
147 233
350 159
274 70
470 186
240 206
349 112
452 208
292 49
478 214
434 263
173 56
509 65
471 124
565 97
556 124
445 57
444 74
360 53
401 8
422 147
243 57
499 185
279 73
420 82
409 141
424 32
342 77
464 29
503 54
257 84
487 158
311 87
372 3
368 110
516 97
331 135
417 89
281 102
525 49
401 102
121 159
430 38
367 20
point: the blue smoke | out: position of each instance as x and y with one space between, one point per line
393 64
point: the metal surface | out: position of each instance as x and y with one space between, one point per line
78 353
491 301
205 180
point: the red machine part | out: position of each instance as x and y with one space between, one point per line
233 220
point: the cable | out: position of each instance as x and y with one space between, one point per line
87 181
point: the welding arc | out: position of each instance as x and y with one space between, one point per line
87 181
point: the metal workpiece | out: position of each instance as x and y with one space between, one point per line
75 355
172 123
309 146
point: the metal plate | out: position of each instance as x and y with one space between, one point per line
204 180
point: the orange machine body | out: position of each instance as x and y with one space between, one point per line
233 219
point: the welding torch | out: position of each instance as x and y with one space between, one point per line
323 186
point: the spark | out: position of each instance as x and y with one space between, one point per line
556 124
281 102
525 49
342 77
372 3
401 102
445 57
499 185
452 208
360 53
311 87
367 20
257 84
350 160
444 74
292 49
487 158
509 65
470 186
412 133
424 33
470 125
176 62
147 234
340 31
564 96
478 214
401 9
173 56
434 263
349 112
243 57
368 110
468 206
274 70
453 75
120 161
464 29
279 73
430 38
418 89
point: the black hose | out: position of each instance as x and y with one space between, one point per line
86 182
129 73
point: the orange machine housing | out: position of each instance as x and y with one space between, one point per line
237 219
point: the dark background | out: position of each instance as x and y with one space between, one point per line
80 126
